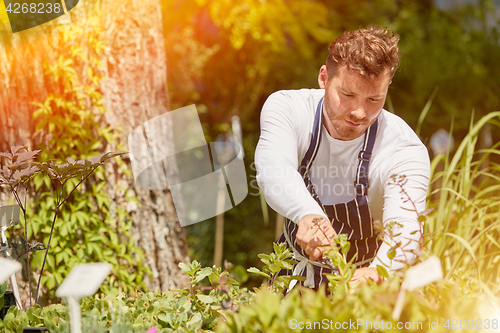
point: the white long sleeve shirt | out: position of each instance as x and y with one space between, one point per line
286 126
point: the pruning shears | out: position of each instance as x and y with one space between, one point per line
328 262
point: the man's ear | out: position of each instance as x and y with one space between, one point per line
323 76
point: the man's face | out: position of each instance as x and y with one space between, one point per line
352 103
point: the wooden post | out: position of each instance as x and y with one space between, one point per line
219 228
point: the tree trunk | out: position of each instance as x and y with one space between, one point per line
134 90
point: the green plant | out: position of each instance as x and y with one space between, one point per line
224 291
336 254
438 307
36 316
17 172
338 284
365 309
273 263
192 309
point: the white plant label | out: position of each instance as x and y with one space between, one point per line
423 274
84 280
8 214
416 277
7 268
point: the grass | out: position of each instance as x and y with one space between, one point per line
463 230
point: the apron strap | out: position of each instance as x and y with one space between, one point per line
364 155
312 151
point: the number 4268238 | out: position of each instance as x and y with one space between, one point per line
456 324
39 8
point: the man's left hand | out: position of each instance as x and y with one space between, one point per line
365 273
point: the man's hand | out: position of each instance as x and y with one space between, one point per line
315 230
366 273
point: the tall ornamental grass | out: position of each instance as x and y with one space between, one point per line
464 228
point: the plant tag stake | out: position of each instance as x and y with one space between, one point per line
416 277
83 280
9 215
9 267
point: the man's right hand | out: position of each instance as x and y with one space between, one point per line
315 230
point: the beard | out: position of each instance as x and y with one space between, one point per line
344 131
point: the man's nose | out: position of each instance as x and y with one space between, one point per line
359 111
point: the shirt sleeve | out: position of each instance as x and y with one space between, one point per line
405 193
277 156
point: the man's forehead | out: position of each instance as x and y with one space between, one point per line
352 79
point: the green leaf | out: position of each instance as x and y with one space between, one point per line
195 323
46 181
3 289
34 316
422 218
345 248
50 324
165 319
382 271
38 181
185 268
257 271
205 298
464 243
202 274
274 268
264 256
392 252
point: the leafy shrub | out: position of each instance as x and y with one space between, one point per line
367 309
188 310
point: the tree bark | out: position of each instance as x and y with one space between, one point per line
135 91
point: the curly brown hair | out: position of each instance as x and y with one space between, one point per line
370 51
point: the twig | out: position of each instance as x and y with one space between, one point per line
27 247
23 208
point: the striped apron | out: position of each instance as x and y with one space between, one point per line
352 218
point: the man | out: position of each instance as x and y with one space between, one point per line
330 155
